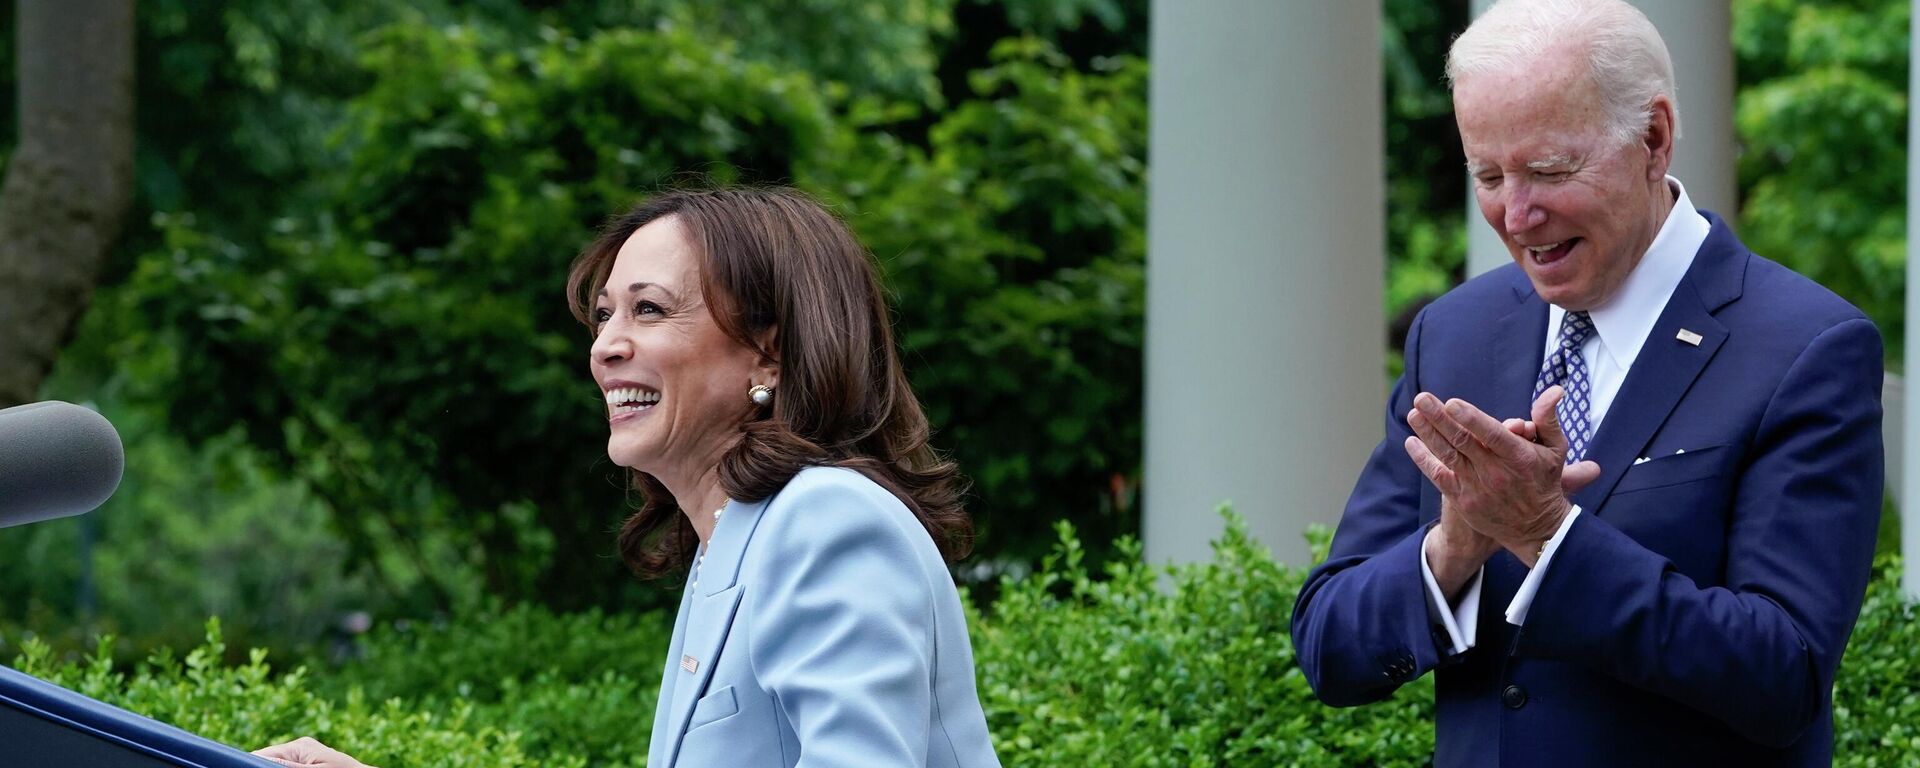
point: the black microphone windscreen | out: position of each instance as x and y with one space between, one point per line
56 459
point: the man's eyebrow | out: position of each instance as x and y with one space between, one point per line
1551 161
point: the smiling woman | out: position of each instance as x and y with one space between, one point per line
695 299
744 352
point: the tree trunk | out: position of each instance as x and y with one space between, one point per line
70 181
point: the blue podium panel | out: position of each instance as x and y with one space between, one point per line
45 726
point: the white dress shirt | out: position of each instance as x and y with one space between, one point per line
1621 327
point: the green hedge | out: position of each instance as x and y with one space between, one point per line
1138 665
248 705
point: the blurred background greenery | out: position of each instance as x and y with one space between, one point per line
333 336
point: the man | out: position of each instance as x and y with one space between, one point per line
1656 559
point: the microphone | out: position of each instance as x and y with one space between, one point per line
56 460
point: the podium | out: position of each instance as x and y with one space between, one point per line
45 726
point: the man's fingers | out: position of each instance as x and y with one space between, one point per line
1423 429
1578 475
1429 464
1486 430
1521 428
1449 430
1546 419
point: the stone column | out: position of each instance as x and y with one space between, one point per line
1266 226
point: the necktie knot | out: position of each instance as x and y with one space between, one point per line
1574 329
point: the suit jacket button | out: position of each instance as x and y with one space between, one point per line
1514 697
1405 666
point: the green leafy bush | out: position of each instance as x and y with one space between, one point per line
1018 236
1078 670
581 684
1138 666
1876 697
246 705
388 330
1821 116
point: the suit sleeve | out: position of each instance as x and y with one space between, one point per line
1362 626
843 633
1760 652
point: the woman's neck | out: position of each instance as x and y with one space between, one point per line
698 496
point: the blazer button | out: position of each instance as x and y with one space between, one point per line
1514 697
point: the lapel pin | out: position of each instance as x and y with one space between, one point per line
689 663
1689 337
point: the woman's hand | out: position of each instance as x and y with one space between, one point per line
306 752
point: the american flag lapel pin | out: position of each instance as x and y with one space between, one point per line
1689 337
689 663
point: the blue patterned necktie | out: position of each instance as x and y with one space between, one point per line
1568 368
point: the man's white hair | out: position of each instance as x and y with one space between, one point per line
1625 55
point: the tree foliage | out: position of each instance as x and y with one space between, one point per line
358 218
353 218
1822 115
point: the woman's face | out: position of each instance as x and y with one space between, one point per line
675 385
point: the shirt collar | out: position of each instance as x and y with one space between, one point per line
1625 320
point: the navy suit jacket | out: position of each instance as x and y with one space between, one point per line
1697 609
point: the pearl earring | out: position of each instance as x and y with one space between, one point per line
761 395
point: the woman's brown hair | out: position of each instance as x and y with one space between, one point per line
773 259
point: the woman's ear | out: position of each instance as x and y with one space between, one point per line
769 343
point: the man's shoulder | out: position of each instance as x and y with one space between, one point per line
1782 300
1487 296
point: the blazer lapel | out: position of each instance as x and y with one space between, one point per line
714 601
660 749
1668 364
1518 348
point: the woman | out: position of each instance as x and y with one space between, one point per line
742 344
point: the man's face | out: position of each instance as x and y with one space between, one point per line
1576 207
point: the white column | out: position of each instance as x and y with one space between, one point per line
1698 34
1265 242
1909 457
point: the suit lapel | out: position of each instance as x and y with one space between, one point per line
660 749
713 604
1517 352
1668 365
1665 369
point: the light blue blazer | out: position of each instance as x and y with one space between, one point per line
822 629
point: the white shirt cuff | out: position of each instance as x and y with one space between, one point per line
1459 619
1523 599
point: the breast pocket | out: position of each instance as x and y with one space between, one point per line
1676 469
735 727
713 707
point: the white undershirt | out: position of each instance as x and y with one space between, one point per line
1621 327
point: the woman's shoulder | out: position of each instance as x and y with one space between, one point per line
824 503
835 485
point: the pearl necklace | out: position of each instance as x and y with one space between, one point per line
701 558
